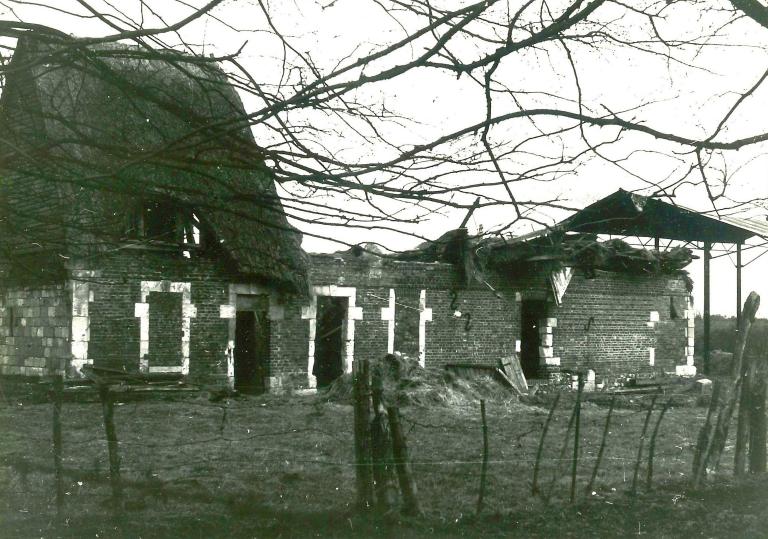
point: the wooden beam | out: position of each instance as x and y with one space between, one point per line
738 286
707 257
470 212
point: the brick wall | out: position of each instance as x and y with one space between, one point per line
34 330
605 324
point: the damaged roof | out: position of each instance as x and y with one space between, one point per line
628 214
89 130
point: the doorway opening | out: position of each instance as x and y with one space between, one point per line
252 343
532 315
329 339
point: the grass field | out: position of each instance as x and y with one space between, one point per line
284 466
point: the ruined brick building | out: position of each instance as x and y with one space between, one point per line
141 237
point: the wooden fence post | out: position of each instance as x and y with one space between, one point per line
713 434
537 464
757 421
386 493
408 488
107 406
363 457
576 437
652 445
600 451
642 443
56 397
484 468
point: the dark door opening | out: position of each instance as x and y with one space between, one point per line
329 341
251 350
532 313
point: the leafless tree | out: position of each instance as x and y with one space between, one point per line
513 107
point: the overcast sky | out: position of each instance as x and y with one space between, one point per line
685 99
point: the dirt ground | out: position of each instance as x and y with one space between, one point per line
284 467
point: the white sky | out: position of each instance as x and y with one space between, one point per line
687 101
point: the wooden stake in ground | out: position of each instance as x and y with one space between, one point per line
537 464
652 445
642 443
56 397
576 438
363 457
408 489
757 420
107 406
714 433
484 468
603 441
385 490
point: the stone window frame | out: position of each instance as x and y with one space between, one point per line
309 313
188 311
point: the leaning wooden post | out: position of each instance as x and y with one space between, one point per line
713 435
386 493
561 456
107 406
757 421
484 467
652 445
642 443
603 441
56 397
537 464
362 398
748 372
576 438
411 504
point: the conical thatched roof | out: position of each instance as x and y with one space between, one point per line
89 131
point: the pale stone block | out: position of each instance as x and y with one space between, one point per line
80 326
545 330
355 313
518 346
168 368
518 297
426 315
650 324
80 350
654 316
651 356
546 340
545 351
227 311
552 322
690 341
551 361
140 310
685 370
188 310
309 312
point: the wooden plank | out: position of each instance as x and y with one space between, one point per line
514 371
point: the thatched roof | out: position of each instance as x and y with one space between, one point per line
88 131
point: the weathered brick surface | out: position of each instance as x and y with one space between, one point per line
604 323
34 330
620 334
